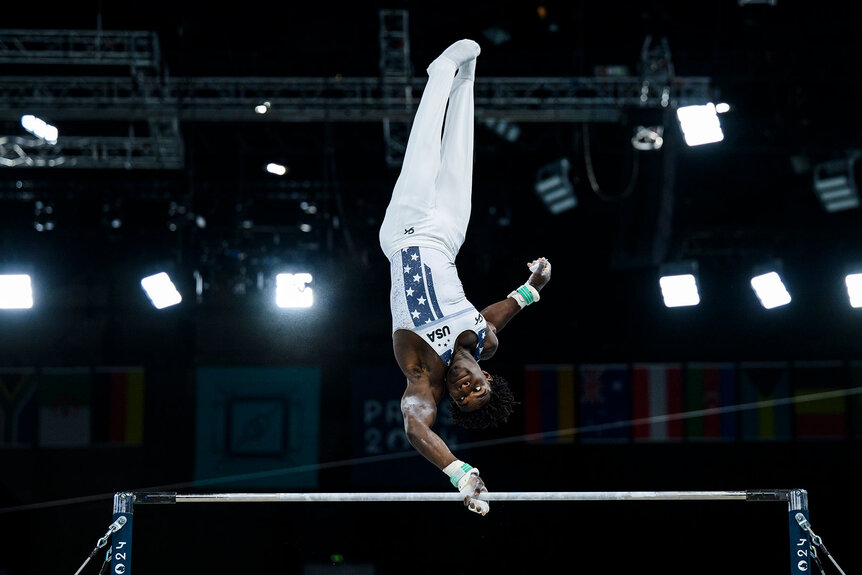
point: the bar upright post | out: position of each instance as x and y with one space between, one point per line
121 542
800 544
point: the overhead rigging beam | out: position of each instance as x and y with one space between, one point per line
221 99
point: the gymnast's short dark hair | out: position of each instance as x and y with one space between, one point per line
495 412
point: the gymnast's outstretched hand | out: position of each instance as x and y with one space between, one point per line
541 273
471 487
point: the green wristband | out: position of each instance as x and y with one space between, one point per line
526 294
459 472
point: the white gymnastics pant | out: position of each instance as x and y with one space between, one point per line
430 205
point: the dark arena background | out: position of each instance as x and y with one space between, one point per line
167 116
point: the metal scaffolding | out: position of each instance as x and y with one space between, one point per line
396 72
135 49
112 152
164 103
221 99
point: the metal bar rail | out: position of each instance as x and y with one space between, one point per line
797 503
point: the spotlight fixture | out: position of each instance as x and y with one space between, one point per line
112 215
509 131
678 282
854 289
161 290
16 291
648 138
770 290
43 216
276 169
262 108
700 124
835 184
555 188
39 128
292 290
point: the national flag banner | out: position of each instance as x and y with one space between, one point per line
118 406
18 407
604 400
856 399
712 387
65 396
257 427
819 418
549 403
657 393
383 456
765 393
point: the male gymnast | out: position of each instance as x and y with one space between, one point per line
438 335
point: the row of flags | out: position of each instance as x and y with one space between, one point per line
71 407
667 402
642 402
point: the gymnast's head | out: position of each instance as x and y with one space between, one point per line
480 401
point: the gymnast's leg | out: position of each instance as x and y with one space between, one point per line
455 181
415 197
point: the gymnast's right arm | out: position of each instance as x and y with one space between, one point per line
420 410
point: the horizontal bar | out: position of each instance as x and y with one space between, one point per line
762 495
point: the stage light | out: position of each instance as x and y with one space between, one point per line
112 214
262 108
854 289
292 290
648 138
770 290
678 282
555 188
722 108
40 128
699 124
507 130
679 291
835 184
276 169
161 290
16 291
43 216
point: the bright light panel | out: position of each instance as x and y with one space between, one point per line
700 124
16 292
854 289
770 290
291 290
40 128
161 290
276 169
679 291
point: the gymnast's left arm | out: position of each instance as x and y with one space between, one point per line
497 315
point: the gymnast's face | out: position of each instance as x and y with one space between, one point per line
468 387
